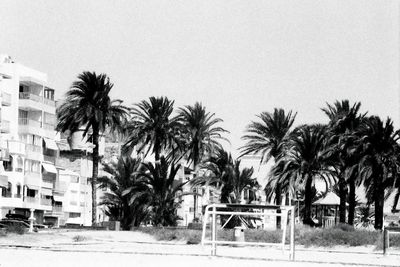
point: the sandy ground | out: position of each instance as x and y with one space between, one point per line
106 248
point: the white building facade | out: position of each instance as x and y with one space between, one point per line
32 177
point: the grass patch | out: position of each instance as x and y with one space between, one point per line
340 235
191 236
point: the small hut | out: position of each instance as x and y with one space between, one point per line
326 210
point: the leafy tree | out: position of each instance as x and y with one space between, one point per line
269 139
122 175
379 161
201 133
152 126
305 162
87 104
345 120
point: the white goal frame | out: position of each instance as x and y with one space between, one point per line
267 210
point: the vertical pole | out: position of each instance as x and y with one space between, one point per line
214 232
284 221
292 248
384 240
203 235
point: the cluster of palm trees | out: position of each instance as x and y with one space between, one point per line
140 191
353 149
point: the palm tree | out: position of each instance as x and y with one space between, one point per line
122 175
162 192
305 162
379 161
269 138
152 126
201 133
344 123
224 173
87 104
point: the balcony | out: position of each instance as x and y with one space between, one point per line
34 152
60 187
31 200
31 101
17 195
50 159
14 147
47 184
5 126
6 99
56 210
30 126
45 202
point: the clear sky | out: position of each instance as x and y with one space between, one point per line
238 58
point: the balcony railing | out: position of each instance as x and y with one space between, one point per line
5 126
57 208
48 126
45 201
33 148
51 159
29 122
6 99
27 95
32 200
37 98
49 102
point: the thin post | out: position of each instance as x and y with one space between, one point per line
384 240
284 221
292 234
203 234
214 232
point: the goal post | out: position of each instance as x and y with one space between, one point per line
231 210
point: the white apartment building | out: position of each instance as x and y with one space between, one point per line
32 177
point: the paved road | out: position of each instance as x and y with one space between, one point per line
42 258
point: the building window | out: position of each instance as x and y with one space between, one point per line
20 164
74 215
8 165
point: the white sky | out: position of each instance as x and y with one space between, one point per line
237 57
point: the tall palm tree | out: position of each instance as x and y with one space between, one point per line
87 104
268 138
202 135
152 126
305 162
122 175
379 161
344 123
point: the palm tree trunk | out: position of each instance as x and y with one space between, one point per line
95 172
379 198
342 196
278 202
352 201
307 202
396 200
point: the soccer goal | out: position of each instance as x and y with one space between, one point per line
243 211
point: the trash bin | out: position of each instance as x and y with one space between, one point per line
238 234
